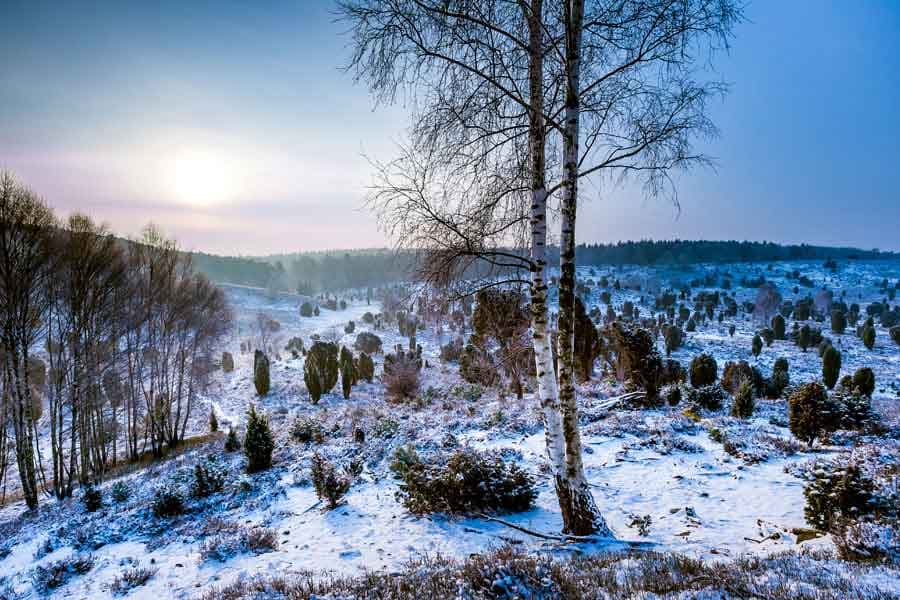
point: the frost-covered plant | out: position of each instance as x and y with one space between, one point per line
709 397
895 334
120 491
130 579
232 539
401 380
469 481
703 371
838 321
743 401
836 492
92 498
258 441
330 484
261 373
307 429
209 478
232 443
47 578
671 394
367 342
306 309
674 338
811 413
167 502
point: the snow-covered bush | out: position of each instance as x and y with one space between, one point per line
469 481
330 484
130 579
636 357
307 429
92 498
232 443
811 413
895 334
709 397
306 309
401 379
674 338
367 342
671 394
258 441
120 491
743 401
836 492
54 575
209 478
230 539
167 502
703 370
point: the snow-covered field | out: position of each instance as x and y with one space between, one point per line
658 463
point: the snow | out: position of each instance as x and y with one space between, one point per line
701 501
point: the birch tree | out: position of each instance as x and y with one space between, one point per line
493 85
25 265
471 186
628 69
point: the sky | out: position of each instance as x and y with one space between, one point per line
233 126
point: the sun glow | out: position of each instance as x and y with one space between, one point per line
201 178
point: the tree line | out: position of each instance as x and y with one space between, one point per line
116 339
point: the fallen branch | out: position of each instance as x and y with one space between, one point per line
546 536
629 397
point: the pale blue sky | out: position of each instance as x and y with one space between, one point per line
125 110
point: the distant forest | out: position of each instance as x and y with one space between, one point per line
316 272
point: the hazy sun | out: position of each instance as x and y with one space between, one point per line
201 178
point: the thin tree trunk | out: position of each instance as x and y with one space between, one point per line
546 379
580 513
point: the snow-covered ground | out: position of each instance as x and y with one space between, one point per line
701 500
